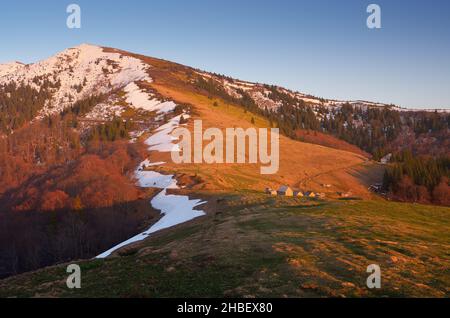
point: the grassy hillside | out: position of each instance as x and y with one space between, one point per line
301 164
254 245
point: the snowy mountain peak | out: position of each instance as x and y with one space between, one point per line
10 67
86 46
75 74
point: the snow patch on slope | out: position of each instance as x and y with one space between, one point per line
162 140
140 99
176 209
152 179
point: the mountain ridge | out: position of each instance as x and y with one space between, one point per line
11 67
76 74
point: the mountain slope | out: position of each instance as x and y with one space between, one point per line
10 68
298 161
254 246
132 82
128 102
78 73
85 156
75 74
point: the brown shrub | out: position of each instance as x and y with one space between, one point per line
441 193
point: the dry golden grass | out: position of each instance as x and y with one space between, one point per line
302 165
257 246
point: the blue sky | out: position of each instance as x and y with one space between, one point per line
321 47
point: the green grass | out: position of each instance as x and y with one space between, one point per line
260 246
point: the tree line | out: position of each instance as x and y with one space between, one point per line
66 195
19 104
372 129
32 240
418 179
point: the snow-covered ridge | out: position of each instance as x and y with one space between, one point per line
10 68
260 95
77 73
429 110
85 70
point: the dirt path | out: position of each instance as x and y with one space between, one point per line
311 178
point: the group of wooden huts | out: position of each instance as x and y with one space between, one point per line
286 191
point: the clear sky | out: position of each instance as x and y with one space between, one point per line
321 47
